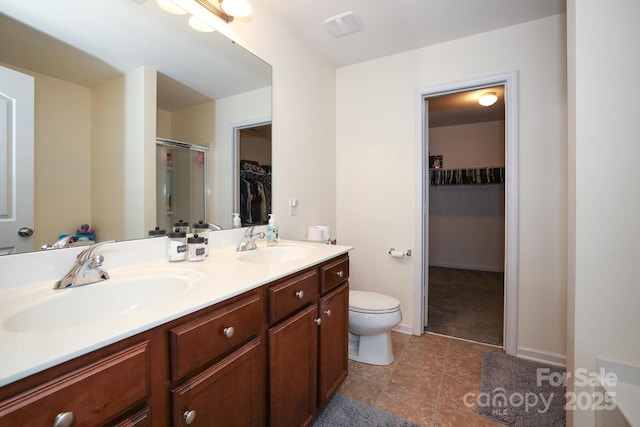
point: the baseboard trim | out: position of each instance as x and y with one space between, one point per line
468 267
549 358
404 329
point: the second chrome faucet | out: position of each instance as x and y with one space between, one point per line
248 241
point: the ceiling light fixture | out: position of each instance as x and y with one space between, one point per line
237 8
487 99
208 15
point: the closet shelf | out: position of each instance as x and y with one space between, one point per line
467 176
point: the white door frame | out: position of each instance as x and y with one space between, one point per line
510 82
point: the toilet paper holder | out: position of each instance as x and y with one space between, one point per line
395 253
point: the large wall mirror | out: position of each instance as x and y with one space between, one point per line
112 76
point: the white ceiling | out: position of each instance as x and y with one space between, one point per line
394 26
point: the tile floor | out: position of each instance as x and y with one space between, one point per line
426 383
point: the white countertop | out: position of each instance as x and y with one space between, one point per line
220 276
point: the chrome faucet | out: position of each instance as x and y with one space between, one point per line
86 269
248 241
63 242
214 227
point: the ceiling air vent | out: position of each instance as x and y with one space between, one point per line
343 24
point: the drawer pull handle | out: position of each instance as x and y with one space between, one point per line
189 416
340 274
328 313
228 331
300 294
64 419
318 321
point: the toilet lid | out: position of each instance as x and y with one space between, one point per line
372 302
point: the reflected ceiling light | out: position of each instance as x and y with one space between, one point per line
171 7
210 13
198 25
487 99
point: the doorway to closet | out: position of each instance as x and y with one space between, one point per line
466 217
509 82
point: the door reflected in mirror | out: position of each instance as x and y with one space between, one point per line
253 200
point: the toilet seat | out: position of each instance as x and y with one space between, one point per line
372 303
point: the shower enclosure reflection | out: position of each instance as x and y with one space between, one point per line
181 183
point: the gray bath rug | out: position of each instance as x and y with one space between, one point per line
521 393
344 412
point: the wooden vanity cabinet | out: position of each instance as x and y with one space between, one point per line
308 339
90 395
271 356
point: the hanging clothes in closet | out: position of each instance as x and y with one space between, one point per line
255 193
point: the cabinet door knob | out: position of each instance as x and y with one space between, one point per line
318 321
340 274
189 416
300 294
64 419
228 331
328 313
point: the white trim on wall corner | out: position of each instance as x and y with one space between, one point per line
510 81
542 356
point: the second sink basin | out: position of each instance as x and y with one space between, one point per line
277 254
68 308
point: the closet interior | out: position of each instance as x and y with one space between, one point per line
465 289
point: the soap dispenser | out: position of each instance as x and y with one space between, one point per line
272 231
237 222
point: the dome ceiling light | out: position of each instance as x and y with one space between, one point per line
487 99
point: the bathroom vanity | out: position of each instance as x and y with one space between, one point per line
256 338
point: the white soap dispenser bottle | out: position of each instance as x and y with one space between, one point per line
237 222
272 231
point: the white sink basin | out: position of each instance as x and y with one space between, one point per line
277 254
97 302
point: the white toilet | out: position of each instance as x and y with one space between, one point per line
371 318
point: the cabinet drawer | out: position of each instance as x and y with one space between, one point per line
333 274
230 393
196 343
291 295
94 394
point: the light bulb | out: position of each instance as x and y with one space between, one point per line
236 8
487 99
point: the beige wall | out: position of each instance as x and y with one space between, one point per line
466 222
304 133
62 144
377 172
123 192
194 124
604 319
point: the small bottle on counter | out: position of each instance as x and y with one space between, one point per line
272 231
195 248
201 228
177 247
237 222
